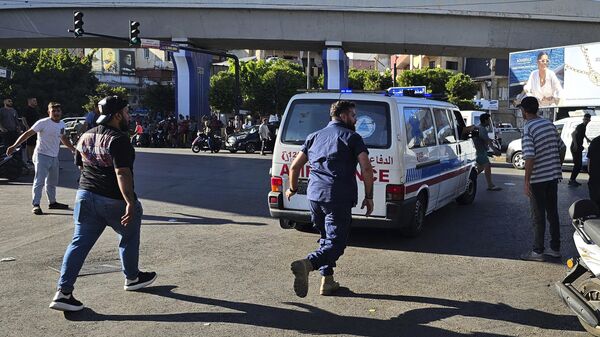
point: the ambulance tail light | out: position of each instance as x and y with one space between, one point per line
394 192
276 184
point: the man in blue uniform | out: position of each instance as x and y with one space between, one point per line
332 153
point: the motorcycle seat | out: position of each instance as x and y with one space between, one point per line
592 228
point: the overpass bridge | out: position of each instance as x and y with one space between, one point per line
477 28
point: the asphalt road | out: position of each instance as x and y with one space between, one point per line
223 263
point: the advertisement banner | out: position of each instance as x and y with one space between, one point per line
96 59
558 77
127 62
110 62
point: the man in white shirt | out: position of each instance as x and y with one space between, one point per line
50 132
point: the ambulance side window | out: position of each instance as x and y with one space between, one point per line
420 131
444 125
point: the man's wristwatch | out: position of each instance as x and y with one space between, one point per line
293 191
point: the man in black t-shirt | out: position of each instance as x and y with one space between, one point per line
105 198
594 170
577 148
31 115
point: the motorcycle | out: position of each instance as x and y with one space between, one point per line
580 289
11 167
204 143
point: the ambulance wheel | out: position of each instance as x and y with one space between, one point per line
286 223
418 218
469 195
305 227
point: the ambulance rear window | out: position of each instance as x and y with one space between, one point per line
307 116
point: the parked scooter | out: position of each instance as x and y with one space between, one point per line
580 289
204 143
11 167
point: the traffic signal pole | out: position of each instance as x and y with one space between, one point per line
78 31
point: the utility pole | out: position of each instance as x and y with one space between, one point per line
308 71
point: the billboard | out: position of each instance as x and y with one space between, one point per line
557 77
127 62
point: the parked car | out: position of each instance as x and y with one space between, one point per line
565 126
248 140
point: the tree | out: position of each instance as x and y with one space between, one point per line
434 79
49 75
266 87
461 90
102 90
159 98
221 93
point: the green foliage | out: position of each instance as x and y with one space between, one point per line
221 94
369 79
266 87
159 98
464 104
460 86
49 75
102 90
434 79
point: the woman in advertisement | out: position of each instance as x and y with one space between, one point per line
543 83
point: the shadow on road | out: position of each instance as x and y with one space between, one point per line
310 319
189 219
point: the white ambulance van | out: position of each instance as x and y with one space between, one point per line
420 162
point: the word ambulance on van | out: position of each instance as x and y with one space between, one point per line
420 157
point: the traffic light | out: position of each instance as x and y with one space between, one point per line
78 23
134 32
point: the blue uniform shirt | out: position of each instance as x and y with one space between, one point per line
333 155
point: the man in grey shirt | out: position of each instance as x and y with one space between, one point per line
10 127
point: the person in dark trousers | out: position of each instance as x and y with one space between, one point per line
105 197
332 153
265 135
31 115
542 148
593 155
577 148
10 127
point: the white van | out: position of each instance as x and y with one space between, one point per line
472 117
420 164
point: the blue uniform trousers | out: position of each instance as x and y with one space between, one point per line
333 222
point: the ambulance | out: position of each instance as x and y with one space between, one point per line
421 159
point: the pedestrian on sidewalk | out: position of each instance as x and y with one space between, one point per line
541 150
332 153
577 149
50 132
265 135
482 141
105 197
593 155
10 127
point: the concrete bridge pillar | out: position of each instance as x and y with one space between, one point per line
335 66
192 82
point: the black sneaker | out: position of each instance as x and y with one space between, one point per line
58 205
64 302
37 210
144 279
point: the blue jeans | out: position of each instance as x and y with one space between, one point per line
92 213
333 222
46 173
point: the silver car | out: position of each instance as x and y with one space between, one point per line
514 155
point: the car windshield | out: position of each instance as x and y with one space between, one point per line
307 116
